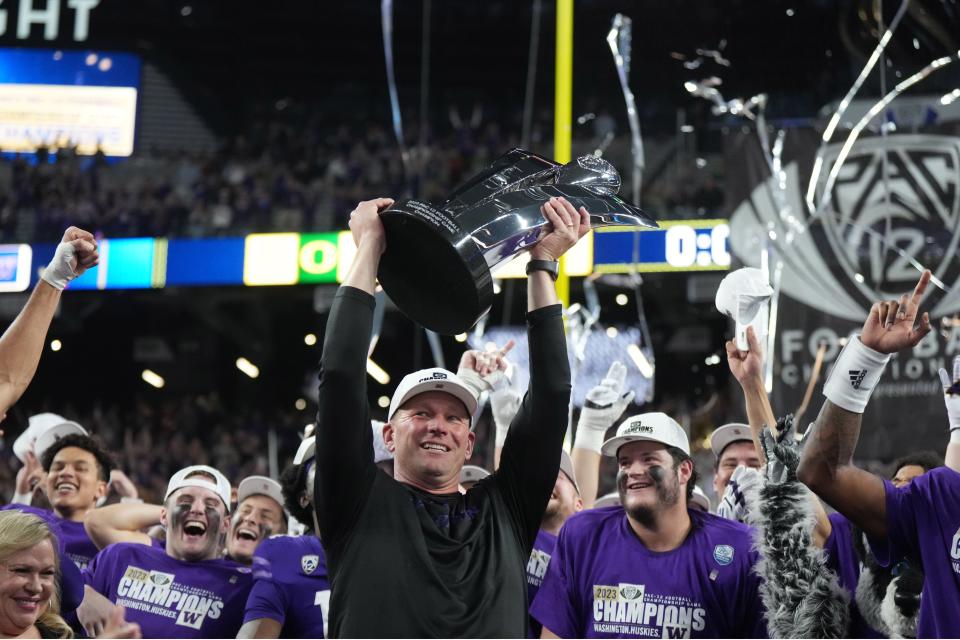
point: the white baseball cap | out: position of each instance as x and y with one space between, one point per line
652 427
700 498
49 437
306 451
180 479
728 433
259 486
36 426
744 295
472 473
435 379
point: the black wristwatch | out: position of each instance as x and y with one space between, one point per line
550 266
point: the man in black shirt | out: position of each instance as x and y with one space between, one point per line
411 556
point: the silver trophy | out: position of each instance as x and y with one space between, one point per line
437 265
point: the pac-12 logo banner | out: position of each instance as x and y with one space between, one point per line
917 214
895 202
859 248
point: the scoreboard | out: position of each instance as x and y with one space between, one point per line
276 259
55 99
678 245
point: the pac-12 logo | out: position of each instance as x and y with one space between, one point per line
918 214
895 204
309 563
723 554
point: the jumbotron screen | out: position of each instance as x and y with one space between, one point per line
56 99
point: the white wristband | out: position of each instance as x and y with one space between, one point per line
59 272
855 375
589 439
504 404
22 498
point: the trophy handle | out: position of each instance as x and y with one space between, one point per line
511 171
517 224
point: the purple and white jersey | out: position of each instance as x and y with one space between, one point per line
923 525
603 582
290 586
76 543
172 598
536 569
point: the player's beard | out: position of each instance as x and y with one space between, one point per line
668 494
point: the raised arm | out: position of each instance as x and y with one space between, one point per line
344 446
826 465
486 371
605 403
22 342
951 397
121 523
530 459
747 368
568 226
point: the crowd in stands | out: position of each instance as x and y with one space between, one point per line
285 172
152 438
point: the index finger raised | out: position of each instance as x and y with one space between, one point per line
505 349
921 286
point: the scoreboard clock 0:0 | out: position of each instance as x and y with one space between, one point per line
678 245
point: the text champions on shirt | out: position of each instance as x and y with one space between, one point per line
157 593
627 609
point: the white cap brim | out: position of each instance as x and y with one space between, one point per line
38 425
49 437
180 479
435 379
648 427
260 486
728 434
744 296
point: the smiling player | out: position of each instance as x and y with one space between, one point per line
186 590
653 567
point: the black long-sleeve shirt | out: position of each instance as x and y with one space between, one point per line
406 563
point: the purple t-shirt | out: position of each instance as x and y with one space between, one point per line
923 525
603 582
290 585
71 582
536 569
76 543
172 598
80 547
842 559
